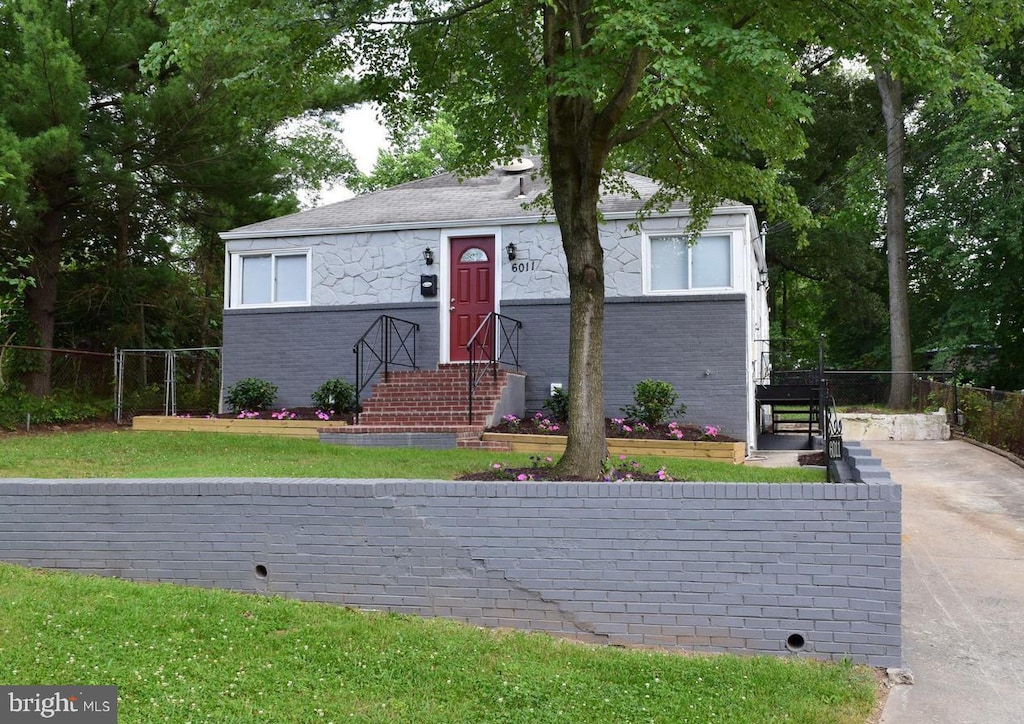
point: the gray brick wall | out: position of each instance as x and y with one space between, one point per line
299 349
706 567
666 338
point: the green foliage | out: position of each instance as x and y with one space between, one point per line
18 409
336 394
993 417
654 403
558 406
425 151
252 394
120 140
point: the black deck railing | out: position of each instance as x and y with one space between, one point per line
494 342
389 342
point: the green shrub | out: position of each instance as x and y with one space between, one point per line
558 406
336 394
251 394
16 408
654 403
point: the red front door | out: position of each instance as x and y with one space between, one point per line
472 291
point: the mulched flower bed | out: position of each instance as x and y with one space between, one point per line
624 472
816 458
617 428
288 413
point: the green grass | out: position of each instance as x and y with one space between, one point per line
181 654
125 454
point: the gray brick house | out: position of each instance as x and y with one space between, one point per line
302 289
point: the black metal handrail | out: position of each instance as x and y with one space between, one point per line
495 336
833 438
385 344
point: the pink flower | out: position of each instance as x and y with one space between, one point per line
521 476
496 466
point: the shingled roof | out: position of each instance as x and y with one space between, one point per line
443 200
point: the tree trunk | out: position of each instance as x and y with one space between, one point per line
41 299
891 91
576 157
585 449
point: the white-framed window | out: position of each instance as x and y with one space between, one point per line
675 264
270 278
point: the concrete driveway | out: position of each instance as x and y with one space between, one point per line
963 583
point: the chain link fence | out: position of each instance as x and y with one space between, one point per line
993 416
167 382
75 371
122 384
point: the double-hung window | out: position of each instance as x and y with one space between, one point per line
270 278
675 264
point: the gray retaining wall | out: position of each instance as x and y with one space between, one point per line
765 568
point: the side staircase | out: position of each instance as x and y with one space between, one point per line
430 409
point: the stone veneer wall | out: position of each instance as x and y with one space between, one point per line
807 569
384 267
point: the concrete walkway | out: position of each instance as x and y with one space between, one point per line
963 583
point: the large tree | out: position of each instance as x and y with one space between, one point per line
102 162
966 190
705 98
967 33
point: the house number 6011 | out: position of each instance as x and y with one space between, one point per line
524 266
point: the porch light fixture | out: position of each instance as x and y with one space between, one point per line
511 251
428 256
763 277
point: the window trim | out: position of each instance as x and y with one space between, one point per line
647 257
235 264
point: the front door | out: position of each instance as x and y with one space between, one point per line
472 291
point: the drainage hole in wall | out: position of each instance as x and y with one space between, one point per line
261 572
795 642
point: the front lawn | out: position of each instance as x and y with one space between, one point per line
182 654
129 454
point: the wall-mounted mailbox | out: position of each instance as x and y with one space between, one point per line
428 285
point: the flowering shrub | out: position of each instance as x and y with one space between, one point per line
283 415
710 431
321 415
513 422
629 428
248 414
545 423
625 471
